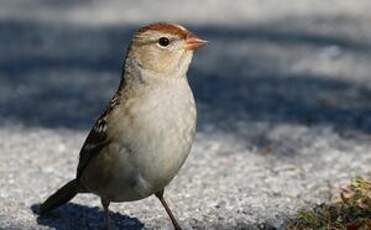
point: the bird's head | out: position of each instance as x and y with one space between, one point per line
163 48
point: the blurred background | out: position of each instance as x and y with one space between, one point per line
283 94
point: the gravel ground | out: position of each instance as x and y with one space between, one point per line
283 94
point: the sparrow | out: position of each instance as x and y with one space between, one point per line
145 134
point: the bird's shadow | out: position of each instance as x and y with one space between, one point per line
75 216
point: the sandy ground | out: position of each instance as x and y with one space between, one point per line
283 93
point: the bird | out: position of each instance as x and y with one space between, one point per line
141 140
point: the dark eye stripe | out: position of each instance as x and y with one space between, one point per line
163 41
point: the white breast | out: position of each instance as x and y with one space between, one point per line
160 137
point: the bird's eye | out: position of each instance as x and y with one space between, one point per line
163 41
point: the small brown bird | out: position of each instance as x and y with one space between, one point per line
140 142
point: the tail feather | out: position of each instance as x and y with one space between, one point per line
63 195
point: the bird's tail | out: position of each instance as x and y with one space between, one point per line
63 195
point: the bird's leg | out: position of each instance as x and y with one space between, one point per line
160 196
107 218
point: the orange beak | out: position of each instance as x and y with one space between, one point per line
193 42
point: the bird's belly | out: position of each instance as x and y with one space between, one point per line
148 168
151 144
151 156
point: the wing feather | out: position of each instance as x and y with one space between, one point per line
97 138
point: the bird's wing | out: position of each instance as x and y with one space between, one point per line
97 138
93 145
